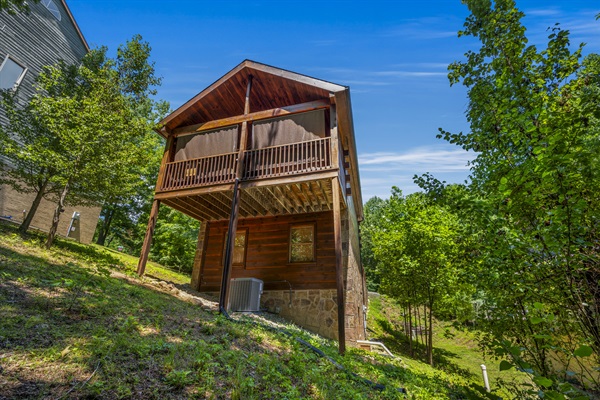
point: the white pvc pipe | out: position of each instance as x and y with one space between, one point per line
486 383
377 344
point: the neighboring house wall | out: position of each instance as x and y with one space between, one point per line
12 204
36 39
33 40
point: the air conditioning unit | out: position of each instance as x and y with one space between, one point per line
244 294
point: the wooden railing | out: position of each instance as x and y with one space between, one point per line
269 162
200 172
289 159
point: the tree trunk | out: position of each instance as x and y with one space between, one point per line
410 339
56 219
33 209
104 229
430 337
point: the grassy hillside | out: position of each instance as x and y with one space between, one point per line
75 322
455 350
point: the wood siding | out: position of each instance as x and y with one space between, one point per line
267 254
37 39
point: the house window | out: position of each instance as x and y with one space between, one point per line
302 243
239 247
11 73
49 4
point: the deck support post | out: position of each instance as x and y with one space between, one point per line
339 266
148 238
200 256
235 206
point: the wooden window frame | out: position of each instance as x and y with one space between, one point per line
239 230
312 224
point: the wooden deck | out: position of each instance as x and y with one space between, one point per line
270 162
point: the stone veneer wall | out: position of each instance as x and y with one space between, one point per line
314 310
12 203
354 283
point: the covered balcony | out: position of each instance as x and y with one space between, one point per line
269 162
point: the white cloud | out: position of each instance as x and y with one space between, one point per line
542 12
381 170
412 74
436 158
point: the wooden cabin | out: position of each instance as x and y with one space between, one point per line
270 155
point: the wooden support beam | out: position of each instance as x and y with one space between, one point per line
163 163
257 204
250 117
311 196
148 238
235 205
207 207
199 257
296 189
280 198
191 192
324 193
339 267
292 197
184 208
220 198
259 196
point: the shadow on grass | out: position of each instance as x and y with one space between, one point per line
67 329
442 359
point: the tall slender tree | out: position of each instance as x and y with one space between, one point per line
534 119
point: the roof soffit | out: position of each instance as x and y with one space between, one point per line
271 88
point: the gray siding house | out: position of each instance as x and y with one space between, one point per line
29 41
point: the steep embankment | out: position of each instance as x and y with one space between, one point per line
76 322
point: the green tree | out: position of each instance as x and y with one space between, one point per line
533 116
15 6
122 209
419 252
175 238
373 211
90 124
26 147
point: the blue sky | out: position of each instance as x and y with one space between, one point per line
392 54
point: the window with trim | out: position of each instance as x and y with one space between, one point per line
302 243
239 247
49 4
11 73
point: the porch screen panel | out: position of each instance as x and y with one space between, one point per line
289 129
218 141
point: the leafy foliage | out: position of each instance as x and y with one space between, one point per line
373 212
532 202
89 127
175 238
15 6
419 249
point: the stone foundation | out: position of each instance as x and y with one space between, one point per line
314 310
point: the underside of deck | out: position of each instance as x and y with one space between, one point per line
257 200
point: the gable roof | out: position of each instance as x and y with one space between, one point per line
85 43
271 88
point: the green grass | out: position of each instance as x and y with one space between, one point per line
456 351
71 330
